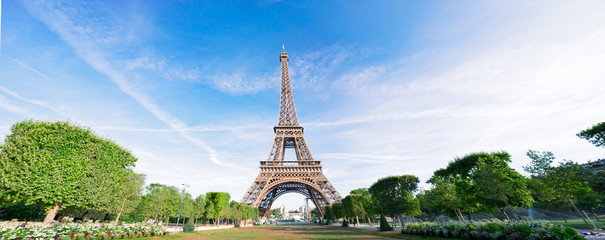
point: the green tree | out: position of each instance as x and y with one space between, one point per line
199 207
442 197
353 206
329 214
370 208
567 181
209 211
60 165
594 134
394 195
220 202
130 194
473 191
337 210
500 187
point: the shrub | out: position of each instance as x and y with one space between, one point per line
189 226
384 225
345 223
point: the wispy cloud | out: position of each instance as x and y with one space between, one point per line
29 68
242 83
89 30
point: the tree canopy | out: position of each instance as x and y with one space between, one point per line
594 134
394 195
58 164
482 181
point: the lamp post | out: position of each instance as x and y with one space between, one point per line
181 208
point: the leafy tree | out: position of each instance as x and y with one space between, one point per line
209 211
483 181
60 165
594 134
199 206
220 202
353 206
329 213
275 213
441 198
394 195
130 194
370 208
499 187
565 181
337 210
540 162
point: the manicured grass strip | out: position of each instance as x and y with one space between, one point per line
393 234
579 223
292 232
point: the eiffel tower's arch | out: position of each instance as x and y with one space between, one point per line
278 176
272 193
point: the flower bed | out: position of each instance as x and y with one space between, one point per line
496 230
76 231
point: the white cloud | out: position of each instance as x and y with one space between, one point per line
89 31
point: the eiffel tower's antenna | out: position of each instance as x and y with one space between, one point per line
287 111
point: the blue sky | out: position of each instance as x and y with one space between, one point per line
382 88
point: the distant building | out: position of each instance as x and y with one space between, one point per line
594 166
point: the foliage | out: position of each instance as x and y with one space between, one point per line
79 231
59 164
24 212
369 206
441 198
394 194
353 206
566 181
499 187
594 134
493 230
161 201
189 226
220 202
199 206
481 182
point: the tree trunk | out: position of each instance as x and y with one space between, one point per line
595 215
579 213
459 214
120 213
370 222
401 222
503 212
52 212
514 214
357 219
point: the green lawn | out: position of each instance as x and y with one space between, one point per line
293 232
579 223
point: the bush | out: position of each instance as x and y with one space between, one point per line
494 230
189 226
236 223
384 225
345 223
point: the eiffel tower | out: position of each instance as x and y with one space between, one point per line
278 176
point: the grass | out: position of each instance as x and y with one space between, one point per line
293 232
579 223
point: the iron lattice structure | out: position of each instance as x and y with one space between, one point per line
278 176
